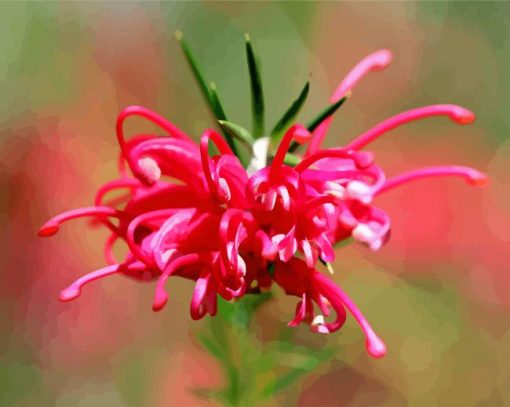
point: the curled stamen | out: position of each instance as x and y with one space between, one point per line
129 183
374 62
161 296
206 160
155 118
231 220
133 225
171 227
232 234
330 175
317 201
204 299
375 346
458 114
296 133
304 311
165 155
472 176
360 191
364 234
361 160
139 138
149 169
108 249
53 225
74 290
309 253
285 197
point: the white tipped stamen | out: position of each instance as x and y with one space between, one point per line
167 254
318 325
348 220
329 208
318 320
241 265
276 239
376 245
330 268
269 200
364 234
230 250
224 188
308 252
150 169
360 191
335 189
285 197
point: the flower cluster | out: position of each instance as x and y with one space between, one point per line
190 212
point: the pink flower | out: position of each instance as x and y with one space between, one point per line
187 214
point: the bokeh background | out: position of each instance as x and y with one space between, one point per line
438 292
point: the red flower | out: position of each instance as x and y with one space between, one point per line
205 218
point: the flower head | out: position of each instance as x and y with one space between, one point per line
204 217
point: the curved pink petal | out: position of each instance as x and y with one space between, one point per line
374 62
74 290
160 296
472 176
457 114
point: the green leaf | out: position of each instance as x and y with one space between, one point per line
328 111
245 308
238 132
291 159
195 69
302 361
219 113
216 106
209 93
252 302
291 113
286 380
343 243
313 124
211 346
257 97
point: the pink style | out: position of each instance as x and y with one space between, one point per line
205 218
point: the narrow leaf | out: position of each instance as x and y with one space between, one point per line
257 97
286 380
195 69
237 131
216 106
209 93
240 134
306 361
212 348
313 124
219 113
291 159
291 113
328 111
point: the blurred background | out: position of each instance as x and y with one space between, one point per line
437 292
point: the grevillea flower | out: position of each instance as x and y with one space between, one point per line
189 213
